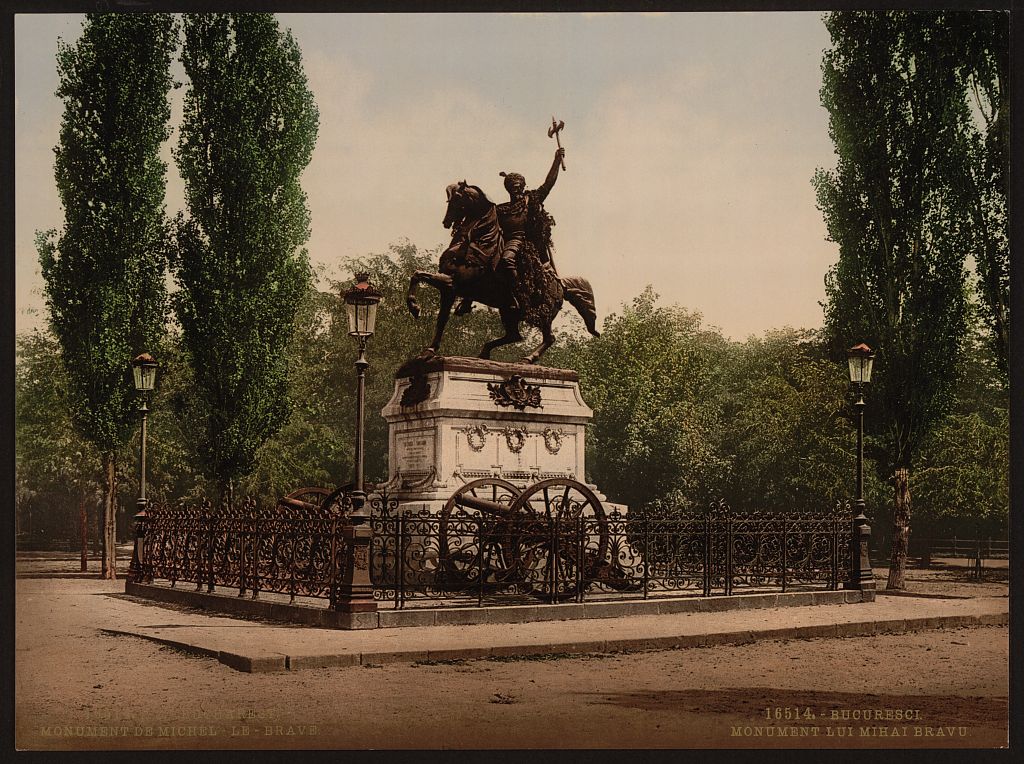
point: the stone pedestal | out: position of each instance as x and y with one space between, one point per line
452 420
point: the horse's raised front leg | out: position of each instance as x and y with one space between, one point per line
549 340
510 321
440 282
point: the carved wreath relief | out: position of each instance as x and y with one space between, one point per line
515 392
515 438
552 440
476 437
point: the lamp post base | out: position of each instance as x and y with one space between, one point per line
861 574
136 569
355 589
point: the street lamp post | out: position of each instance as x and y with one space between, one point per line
355 591
861 359
361 304
144 371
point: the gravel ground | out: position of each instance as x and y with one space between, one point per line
79 689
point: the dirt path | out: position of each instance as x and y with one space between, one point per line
76 688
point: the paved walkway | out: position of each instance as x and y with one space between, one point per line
259 646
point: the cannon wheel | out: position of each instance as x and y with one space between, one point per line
556 564
458 533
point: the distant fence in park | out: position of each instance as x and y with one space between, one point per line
464 557
964 548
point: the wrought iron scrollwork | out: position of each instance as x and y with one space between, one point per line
493 543
246 546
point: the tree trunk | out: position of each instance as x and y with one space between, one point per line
900 529
97 533
83 527
109 518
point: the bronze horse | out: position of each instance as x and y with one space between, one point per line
466 270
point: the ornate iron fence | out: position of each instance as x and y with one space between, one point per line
462 556
252 548
465 555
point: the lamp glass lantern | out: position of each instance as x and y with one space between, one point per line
144 370
861 358
361 303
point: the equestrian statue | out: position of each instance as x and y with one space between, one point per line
501 256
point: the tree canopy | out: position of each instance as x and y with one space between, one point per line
104 272
897 206
248 132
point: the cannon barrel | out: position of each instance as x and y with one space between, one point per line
483 505
290 503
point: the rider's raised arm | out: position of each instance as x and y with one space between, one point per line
549 182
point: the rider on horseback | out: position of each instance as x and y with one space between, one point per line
473 268
523 219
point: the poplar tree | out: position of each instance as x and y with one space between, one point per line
895 204
104 272
249 128
982 56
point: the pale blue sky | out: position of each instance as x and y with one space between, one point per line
691 140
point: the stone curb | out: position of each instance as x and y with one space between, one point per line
503 614
265 662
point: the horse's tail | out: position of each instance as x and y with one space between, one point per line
581 296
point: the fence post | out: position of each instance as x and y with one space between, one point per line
707 554
202 535
552 558
480 561
399 561
833 578
785 555
728 551
647 555
254 584
581 551
334 565
243 552
293 538
211 550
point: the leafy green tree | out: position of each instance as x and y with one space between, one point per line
894 204
788 440
104 273
250 124
57 470
653 378
961 486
